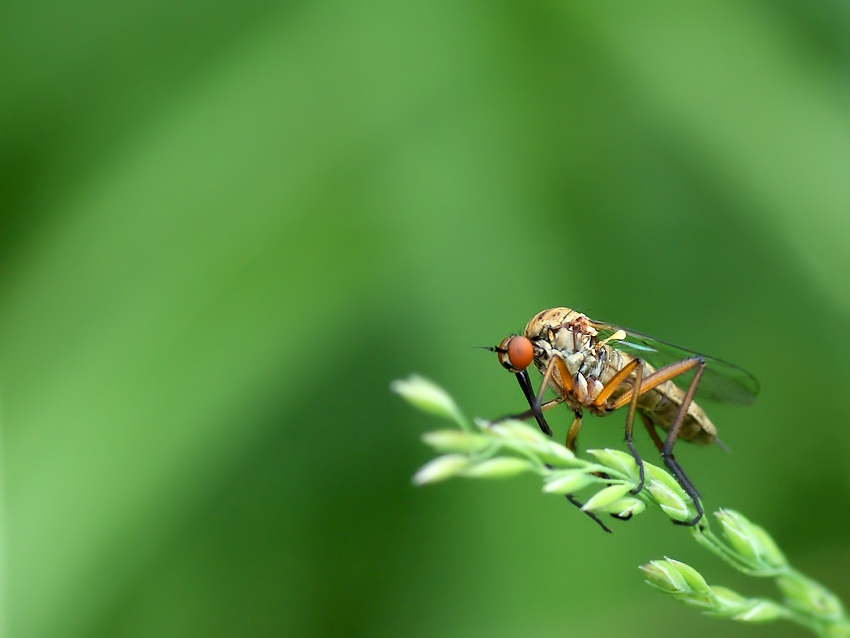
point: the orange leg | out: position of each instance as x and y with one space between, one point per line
631 396
615 383
572 442
531 412
572 433
641 386
630 421
653 434
566 378
654 380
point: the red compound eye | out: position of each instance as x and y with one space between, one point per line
520 352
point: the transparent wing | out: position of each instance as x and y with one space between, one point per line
721 381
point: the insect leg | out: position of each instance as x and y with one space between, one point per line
572 499
630 420
673 433
527 414
535 402
572 433
572 443
572 437
653 434
537 408
614 383
566 379
652 381
632 397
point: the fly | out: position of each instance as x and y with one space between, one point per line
600 367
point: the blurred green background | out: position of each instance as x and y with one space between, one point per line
227 226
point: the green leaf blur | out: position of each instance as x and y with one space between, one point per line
226 227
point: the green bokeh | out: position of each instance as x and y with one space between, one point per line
226 227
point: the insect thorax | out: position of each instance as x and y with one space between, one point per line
568 334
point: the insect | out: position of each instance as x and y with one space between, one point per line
600 367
